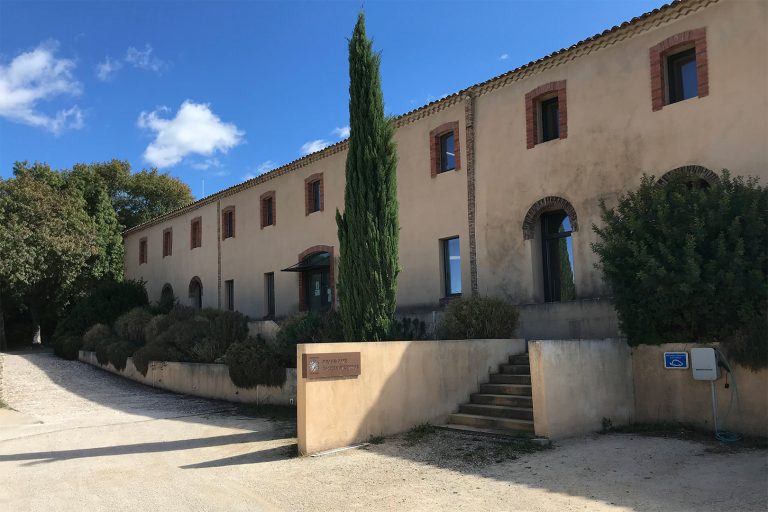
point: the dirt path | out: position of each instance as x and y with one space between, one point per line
84 439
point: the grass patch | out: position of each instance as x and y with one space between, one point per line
268 411
419 433
3 405
376 439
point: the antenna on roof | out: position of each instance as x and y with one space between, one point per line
203 187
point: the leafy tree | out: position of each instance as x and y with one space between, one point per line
46 239
690 264
368 229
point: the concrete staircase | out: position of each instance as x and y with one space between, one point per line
501 407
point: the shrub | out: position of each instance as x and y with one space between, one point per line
67 346
118 353
102 350
478 318
306 328
154 352
224 328
130 326
254 363
156 326
164 305
408 329
688 264
103 304
95 334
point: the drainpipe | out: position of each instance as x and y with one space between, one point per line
469 120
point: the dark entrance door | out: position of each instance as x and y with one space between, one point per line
317 290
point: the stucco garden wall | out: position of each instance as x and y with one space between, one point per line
204 380
577 383
401 384
673 396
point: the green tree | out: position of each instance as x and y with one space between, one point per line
690 264
368 229
46 239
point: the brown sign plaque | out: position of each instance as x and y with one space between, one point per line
323 366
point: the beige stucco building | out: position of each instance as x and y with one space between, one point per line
513 167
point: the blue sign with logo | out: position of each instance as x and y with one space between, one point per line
676 360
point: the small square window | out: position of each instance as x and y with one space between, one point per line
451 267
550 119
447 152
682 82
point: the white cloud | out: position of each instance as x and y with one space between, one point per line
193 130
35 76
108 69
260 169
342 132
504 56
314 145
207 164
143 59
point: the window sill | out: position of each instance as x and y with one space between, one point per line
449 298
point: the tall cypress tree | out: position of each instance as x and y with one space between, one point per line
369 228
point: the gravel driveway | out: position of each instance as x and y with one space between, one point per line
84 439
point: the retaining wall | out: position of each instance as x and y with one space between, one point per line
401 384
204 380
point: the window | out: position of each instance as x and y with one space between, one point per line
268 208
167 242
196 233
447 153
313 193
142 251
451 267
228 222
546 113
196 293
269 294
557 256
679 68
681 76
550 120
444 148
229 295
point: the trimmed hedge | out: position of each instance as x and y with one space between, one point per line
130 326
254 363
67 346
478 317
94 335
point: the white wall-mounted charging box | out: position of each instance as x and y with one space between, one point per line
704 364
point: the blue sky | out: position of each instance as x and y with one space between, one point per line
216 92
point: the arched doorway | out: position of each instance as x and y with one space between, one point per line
196 293
316 285
166 295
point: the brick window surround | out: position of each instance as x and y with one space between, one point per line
533 101
696 39
196 232
309 206
264 213
224 233
546 204
167 242
331 270
142 250
434 146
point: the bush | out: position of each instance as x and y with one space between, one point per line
254 363
154 352
130 326
67 346
118 353
156 326
103 304
478 318
224 328
306 328
408 329
688 264
102 350
94 335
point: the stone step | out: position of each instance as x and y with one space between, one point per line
486 432
515 369
497 411
505 378
476 420
505 389
506 400
519 359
